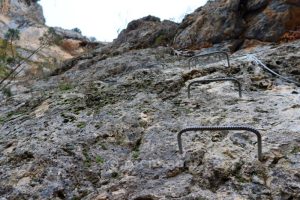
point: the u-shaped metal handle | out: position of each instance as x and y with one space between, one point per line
221 128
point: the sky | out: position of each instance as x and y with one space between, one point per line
105 19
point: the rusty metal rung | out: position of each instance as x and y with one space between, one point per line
220 128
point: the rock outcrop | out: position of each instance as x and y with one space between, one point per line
24 12
229 22
274 19
213 23
146 32
70 34
27 17
223 20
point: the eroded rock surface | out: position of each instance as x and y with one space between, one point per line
27 17
107 129
23 11
104 125
146 32
236 20
226 22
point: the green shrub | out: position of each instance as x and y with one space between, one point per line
3 48
10 60
77 30
160 40
99 160
2 120
65 86
7 92
12 35
135 155
50 37
3 71
81 125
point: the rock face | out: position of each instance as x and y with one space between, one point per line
222 20
23 11
215 22
27 17
107 127
147 32
104 125
20 14
275 18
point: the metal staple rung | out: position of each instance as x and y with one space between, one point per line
220 128
208 54
214 80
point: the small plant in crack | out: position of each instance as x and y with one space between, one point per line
65 86
135 155
135 150
201 198
81 125
99 160
87 158
2 120
7 92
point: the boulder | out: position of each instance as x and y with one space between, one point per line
70 34
147 32
213 23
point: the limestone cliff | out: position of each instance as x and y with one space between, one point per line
106 129
27 17
22 11
105 125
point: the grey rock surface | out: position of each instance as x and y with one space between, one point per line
23 11
70 34
105 128
146 32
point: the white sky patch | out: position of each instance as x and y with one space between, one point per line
104 19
